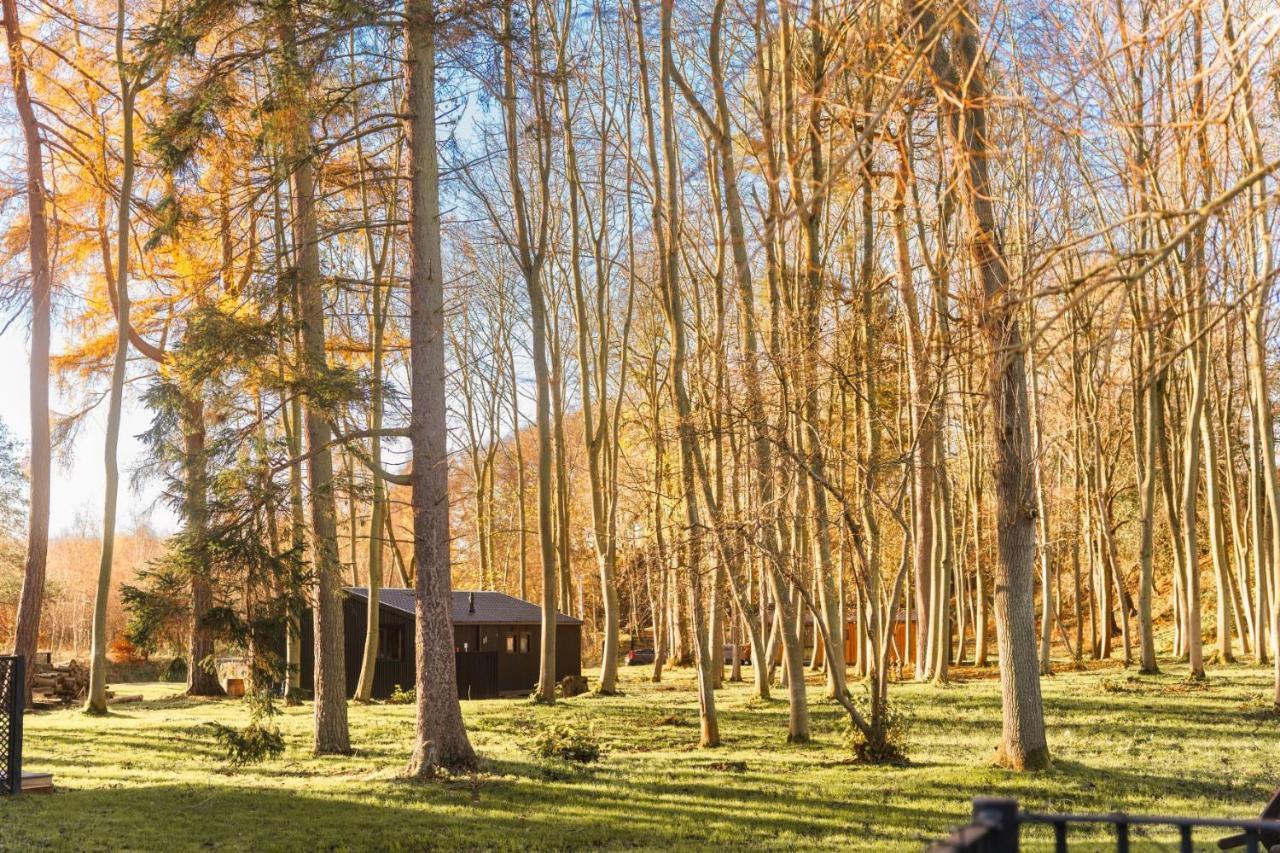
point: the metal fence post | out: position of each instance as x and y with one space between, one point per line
1001 815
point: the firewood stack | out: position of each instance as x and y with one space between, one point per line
59 683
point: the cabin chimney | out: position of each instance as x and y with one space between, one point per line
471 602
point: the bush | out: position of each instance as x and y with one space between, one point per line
175 671
253 744
400 696
565 742
890 747
257 741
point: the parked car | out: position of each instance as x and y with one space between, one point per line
744 654
639 657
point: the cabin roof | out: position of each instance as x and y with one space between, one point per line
490 608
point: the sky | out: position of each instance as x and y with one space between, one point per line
79 477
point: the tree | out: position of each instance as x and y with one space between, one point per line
959 76
440 739
131 81
27 624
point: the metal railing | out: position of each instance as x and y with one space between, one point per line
996 825
12 694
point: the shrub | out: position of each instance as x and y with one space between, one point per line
400 696
890 747
175 671
567 743
251 745
257 741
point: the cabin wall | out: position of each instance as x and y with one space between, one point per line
568 650
490 660
388 672
504 659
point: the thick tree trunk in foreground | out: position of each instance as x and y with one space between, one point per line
440 738
27 623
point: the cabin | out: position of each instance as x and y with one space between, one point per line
497 643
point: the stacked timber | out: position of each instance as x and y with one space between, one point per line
59 683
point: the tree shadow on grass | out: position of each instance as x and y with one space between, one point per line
508 813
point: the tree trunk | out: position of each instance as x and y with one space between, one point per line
668 228
330 727
27 622
201 680
97 698
531 253
440 737
1023 745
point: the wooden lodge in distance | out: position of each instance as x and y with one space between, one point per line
496 638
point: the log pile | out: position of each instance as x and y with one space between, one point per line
59 683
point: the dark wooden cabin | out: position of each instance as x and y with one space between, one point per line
496 639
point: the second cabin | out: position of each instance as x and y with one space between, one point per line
497 643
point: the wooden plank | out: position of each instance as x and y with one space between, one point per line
37 783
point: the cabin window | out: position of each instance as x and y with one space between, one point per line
511 644
391 642
524 643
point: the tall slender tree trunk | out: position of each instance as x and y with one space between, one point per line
531 252
521 506
364 687
1153 420
27 622
378 307
440 737
330 726
667 222
297 529
96 702
1217 534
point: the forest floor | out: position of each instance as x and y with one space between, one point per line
150 777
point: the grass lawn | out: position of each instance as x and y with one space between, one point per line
150 777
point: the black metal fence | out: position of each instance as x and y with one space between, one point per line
12 682
997 823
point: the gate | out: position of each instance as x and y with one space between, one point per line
12 682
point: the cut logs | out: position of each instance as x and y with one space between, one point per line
59 683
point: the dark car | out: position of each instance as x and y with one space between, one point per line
744 654
639 657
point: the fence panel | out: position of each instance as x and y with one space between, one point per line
11 701
996 822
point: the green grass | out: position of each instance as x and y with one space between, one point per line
149 776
